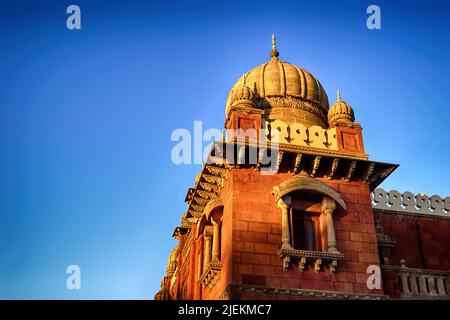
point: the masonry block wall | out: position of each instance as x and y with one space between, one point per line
256 225
422 242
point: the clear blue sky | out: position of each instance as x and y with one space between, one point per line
86 118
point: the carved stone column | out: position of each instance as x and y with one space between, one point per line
207 247
284 204
216 241
328 206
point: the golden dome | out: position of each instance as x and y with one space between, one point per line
340 113
242 94
280 86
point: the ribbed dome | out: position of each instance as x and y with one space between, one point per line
340 113
243 93
279 84
280 79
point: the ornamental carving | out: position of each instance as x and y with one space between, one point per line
307 183
298 134
407 202
317 259
211 275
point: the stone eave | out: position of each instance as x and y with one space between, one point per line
320 163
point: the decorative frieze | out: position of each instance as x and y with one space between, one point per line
298 134
407 202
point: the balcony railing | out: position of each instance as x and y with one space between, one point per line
421 283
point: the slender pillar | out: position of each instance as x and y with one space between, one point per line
207 248
328 206
216 240
284 204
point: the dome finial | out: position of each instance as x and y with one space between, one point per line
339 95
274 54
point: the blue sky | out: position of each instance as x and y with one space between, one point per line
86 118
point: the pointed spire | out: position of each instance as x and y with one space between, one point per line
244 83
274 54
339 95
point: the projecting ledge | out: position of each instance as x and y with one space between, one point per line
315 258
211 275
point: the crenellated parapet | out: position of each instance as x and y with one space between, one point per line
409 203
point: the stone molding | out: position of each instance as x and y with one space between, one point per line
305 293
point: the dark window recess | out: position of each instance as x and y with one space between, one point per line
305 231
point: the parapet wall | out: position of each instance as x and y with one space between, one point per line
407 202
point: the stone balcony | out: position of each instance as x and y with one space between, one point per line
317 259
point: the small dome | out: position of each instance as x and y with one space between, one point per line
340 113
243 94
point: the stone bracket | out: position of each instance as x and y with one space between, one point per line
211 275
316 258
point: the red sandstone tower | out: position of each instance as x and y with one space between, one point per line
282 209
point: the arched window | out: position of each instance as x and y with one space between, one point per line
305 224
307 228
209 230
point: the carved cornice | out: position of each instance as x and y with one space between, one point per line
301 293
317 162
208 186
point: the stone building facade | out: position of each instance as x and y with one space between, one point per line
288 206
